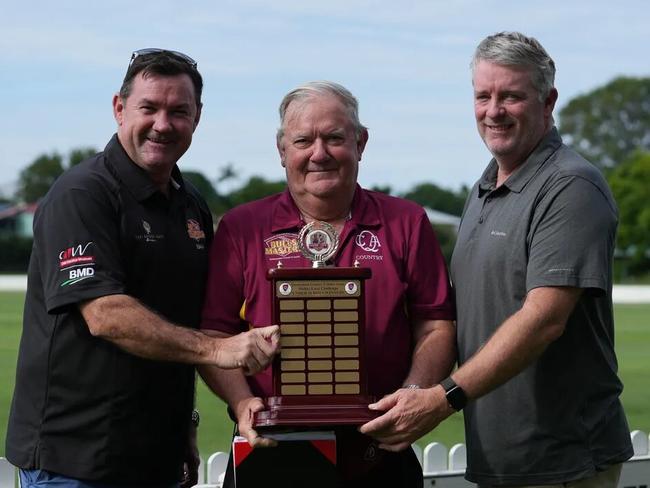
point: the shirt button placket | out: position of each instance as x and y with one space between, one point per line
481 217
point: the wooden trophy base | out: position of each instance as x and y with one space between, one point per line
316 410
319 376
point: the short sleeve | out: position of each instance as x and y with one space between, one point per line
225 288
572 237
77 242
429 291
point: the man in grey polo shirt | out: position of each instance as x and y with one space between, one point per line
532 277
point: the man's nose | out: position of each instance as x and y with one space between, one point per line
162 122
319 151
495 108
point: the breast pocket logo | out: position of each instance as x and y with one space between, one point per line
281 245
368 241
195 232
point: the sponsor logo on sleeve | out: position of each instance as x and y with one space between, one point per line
77 262
76 255
281 246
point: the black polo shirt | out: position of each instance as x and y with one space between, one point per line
552 223
82 407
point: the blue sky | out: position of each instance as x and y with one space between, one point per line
407 63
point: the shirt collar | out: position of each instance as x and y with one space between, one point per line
365 211
523 174
132 176
286 215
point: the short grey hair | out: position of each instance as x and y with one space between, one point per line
320 88
516 49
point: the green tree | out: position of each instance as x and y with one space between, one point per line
227 172
607 124
382 189
217 203
256 187
35 180
446 236
630 184
432 196
79 154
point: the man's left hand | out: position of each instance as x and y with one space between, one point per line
409 414
192 461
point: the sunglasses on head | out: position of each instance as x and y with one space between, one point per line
155 50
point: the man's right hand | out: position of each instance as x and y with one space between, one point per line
408 415
245 411
251 351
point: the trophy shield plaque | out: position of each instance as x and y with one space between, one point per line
319 376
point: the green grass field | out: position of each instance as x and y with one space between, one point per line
632 345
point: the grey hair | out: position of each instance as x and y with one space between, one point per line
516 49
319 88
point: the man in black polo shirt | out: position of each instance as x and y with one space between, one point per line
532 276
105 378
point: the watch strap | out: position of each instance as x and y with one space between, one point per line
455 395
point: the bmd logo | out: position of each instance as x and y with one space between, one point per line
81 273
76 275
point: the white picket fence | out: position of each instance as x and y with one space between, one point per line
441 467
445 468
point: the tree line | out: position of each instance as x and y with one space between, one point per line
609 126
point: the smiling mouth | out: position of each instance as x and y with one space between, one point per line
159 140
501 128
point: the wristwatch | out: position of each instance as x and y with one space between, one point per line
196 418
455 395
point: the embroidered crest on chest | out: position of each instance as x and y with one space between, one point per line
281 245
370 243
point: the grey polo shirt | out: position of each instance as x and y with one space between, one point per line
552 223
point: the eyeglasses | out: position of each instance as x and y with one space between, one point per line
155 50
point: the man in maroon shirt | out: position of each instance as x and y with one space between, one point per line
410 337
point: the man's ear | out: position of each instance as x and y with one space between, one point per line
198 116
280 145
361 141
118 108
549 103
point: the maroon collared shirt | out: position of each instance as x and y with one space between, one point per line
390 235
